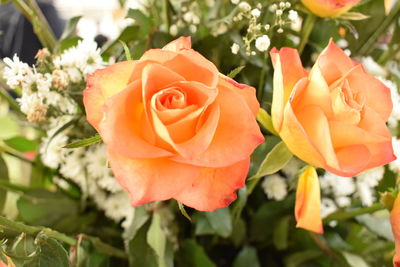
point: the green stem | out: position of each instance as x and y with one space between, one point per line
261 81
40 25
13 104
33 230
306 31
369 45
166 14
340 215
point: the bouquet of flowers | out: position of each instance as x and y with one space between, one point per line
208 133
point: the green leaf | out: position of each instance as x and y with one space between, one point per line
183 211
157 239
248 255
220 220
266 121
275 160
128 55
70 28
51 253
21 144
9 127
281 233
354 260
85 142
139 252
45 208
193 255
379 223
239 204
353 16
140 217
235 72
3 176
142 20
297 259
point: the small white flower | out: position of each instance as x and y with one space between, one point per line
288 5
15 71
342 43
262 43
280 30
267 27
371 177
366 194
96 161
395 115
51 151
173 30
210 3
327 207
347 52
339 186
273 8
235 48
343 201
395 165
279 12
235 2
292 167
244 6
282 4
256 12
293 16
275 187
192 28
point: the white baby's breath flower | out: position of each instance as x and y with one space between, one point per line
256 12
97 161
339 186
235 2
366 194
293 16
263 43
15 71
235 48
109 183
279 12
272 8
275 187
327 207
371 177
51 151
72 166
343 201
173 30
117 206
395 165
373 67
394 92
244 6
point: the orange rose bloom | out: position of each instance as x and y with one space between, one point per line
395 221
174 126
329 8
333 117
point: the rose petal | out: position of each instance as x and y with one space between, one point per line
352 160
179 44
233 141
334 63
247 92
288 71
126 129
215 187
377 94
316 125
102 84
184 63
395 221
294 135
308 202
149 180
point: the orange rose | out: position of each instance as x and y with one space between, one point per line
395 221
333 117
174 126
329 8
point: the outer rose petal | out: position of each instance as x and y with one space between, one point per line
288 71
237 134
149 180
247 92
329 8
308 202
101 85
179 44
395 221
215 187
334 63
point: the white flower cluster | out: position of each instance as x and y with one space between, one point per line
275 187
189 18
88 168
40 91
338 191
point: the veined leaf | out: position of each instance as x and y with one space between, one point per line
85 142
